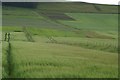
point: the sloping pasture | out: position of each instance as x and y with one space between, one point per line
85 47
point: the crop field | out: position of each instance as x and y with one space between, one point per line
46 43
78 7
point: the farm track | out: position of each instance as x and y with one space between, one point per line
10 66
9 60
28 35
52 40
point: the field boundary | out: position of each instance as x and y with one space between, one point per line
87 46
73 29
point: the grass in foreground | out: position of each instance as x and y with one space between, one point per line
35 59
61 61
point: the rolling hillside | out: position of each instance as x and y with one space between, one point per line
60 40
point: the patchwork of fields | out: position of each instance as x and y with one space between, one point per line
48 44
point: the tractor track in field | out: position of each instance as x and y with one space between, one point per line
10 66
28 35
9 60
52 40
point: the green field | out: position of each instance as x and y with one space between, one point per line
60 43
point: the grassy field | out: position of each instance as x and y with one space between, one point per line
78 7
62 44
88 21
